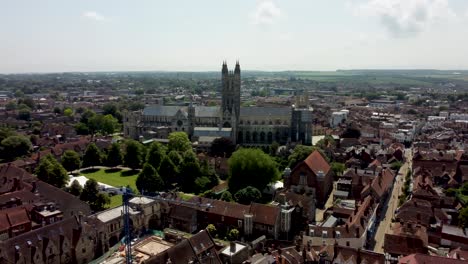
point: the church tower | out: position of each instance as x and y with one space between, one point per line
230 107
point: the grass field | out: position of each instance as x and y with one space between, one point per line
114 177
115 200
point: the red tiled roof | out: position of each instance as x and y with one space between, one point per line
18 216
316 162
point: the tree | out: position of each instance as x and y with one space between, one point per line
75 188
112 109
251 167
15 146
92 156
201 184
68 112
86 116
211 229
52 172
24 114
351 132
82 129
108 124
149 180
233 234
133 156
11 106
27 101
155 155
114 157
463 217
222 147
179 141
226 196
175 157
337 168
90 194
57 110
299 154
168 171
274 148
71 160
248 195
189 172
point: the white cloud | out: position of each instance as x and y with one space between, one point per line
403 18
266 13
93 15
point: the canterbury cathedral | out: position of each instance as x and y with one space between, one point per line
243 125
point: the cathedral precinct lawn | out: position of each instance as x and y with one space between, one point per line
115 200
113 177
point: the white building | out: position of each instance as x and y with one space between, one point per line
338 117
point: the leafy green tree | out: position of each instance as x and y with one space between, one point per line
201 184
68 112
71 160
351 132
27 101
109 124
274 148
211 229
179 141
175 157
15 146
24 114
233 234
149 180
251 167
189 172
299 154
52 172
114 157
155 154
11 106
248 195
222 147
396 165
112 109
86 116
227 196
337 168
92 156
168 171
75 188
134 155
463 217
82 129
90 194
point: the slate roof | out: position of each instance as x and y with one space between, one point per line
265 111
162 110
207 111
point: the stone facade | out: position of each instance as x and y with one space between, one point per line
249 125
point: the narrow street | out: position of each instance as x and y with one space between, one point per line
392 204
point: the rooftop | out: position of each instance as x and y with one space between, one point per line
113 213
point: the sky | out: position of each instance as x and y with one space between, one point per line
190 35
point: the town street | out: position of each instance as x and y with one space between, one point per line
392 205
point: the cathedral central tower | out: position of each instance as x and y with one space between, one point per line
230 107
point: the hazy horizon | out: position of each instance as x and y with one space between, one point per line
265 35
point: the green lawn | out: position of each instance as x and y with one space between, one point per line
115 200
116 178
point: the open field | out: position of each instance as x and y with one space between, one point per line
114 177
